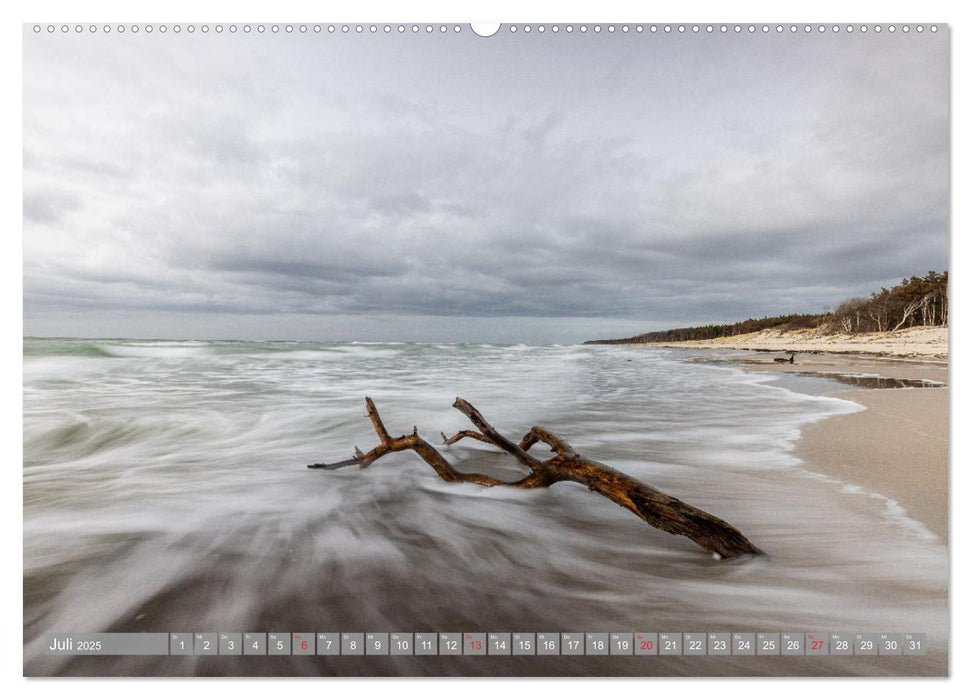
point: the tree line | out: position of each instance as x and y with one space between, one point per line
918 301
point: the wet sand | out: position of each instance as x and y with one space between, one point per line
897 447
828 364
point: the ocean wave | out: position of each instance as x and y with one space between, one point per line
172 480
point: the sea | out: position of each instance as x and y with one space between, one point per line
166 489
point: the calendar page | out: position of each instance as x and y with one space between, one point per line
519 349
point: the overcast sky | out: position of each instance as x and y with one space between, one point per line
519 188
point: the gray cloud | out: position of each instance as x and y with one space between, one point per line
48 206
649 183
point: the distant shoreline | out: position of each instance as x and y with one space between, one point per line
921 342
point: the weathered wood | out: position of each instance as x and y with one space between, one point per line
654 507
464 434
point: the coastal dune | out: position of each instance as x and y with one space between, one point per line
925 342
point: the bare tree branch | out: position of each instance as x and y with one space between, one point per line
465 434
654 507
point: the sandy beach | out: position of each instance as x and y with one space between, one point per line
919 343
897 447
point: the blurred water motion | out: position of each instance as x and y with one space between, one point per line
165 490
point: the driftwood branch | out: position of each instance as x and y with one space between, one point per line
654 507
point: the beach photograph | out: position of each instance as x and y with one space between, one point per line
532 350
